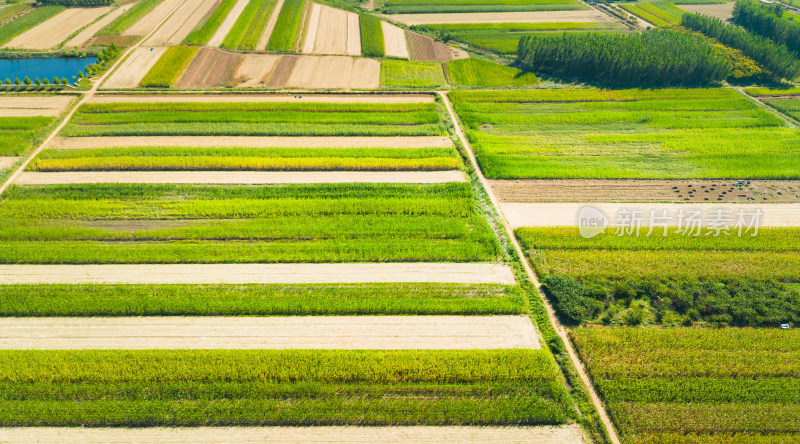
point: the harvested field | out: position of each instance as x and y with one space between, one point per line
31 106
425 49
134 68
582 16
244 98
238 177
83 38
150 22
544 191
565 214
282 72
255 70
51 33
79 143
394 40
332 31
311 435
270 333
315 72
273 19
181 23
210 68
723 11
7 162
227 24
465 273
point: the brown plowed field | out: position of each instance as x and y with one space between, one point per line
52 32
543 191
425 49
282 72
211 68
722 11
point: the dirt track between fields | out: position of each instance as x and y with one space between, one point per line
84 36
311 98
582 16
394 41
227 24
181 23
566 214
545 191
722 11
253 142
152 19
55 30
132 70
32 106
468 273
271 333
567 434
239 177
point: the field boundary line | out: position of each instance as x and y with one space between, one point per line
87 95
791 121
596 401
263 41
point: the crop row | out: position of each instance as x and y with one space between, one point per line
287 27
248 28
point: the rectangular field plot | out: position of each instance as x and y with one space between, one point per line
657 13
456 6
697 385
790 107
281 387
141 224
19 134
673 279
627 134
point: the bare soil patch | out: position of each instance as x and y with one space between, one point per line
238 177
211 68
7 162
131 71
255 70
82 39
582 16
722 11
425 49
312 435
152 19
227 24
52 32
394 41
777 191
332 72
181 23
468 273
31 106
77 143
332 31
283 70
239 98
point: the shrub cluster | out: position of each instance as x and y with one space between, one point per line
777 59
655 58
766 21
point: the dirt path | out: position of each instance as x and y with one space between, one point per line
134 68
394 41
239 177
565 214
551 314
582 16
270 333
590 190
273 19
227 24
151 21
77 143
52 32
568 434
181 23
468 273
266 98
84 36
32 106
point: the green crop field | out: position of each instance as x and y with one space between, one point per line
657 13
250 25
790 107
169 67
203 32
504 37
696 385
444 6
673 279
260 300
758 92
483 73
402 74
255 119
27 21
128 18
9 11
672 133
372 44
18 134
287 27
243 224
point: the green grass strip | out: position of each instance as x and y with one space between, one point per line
248 28
127 19
27 21
406 74
287 27
203 32
169 67
371 36
483 73
11 10
259 300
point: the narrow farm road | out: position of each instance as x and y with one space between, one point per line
789 120
562 332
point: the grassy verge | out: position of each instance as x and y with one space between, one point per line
399 74
27 21
483 73
203 32
127 19
371 36
287 27
250 25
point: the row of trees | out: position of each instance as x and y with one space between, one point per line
663 57
38 81
776 58
69 3
768 21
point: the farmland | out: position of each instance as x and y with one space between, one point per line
699 133
790 107
27 21
453 6
696 385
657 13
247 30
